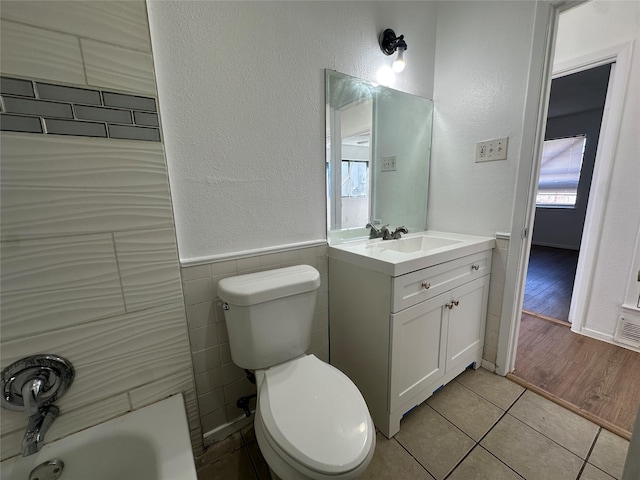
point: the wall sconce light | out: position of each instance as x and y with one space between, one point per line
389 43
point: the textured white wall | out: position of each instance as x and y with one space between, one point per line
585 30
479 94
241 87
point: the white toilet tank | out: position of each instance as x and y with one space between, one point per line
269 314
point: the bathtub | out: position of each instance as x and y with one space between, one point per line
148 444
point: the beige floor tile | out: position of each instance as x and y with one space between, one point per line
465 409
592 473
481 465
433 441
391 461
609 453
498 390
573 432
236 466
530 453
259 463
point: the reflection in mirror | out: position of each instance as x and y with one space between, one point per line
378 147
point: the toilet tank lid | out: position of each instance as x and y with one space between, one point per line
254 288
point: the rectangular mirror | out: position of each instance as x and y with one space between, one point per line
378 143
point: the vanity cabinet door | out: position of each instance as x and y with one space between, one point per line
466 321
418 339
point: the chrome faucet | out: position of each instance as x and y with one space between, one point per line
37 427
382 232
397 233
32 384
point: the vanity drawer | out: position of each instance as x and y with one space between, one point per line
421 285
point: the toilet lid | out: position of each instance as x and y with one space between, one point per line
316 414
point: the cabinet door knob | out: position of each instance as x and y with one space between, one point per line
449 305
426 285
475 267
456 303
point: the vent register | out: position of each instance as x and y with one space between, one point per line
31 106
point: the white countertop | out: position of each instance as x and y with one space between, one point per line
379 256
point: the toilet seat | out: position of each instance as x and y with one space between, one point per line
316 415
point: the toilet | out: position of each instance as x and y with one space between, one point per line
311 421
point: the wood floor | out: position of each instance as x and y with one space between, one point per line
599 379
550 281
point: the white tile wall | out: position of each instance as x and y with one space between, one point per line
36 53
118 68
89 262
119 22
219 382
69 185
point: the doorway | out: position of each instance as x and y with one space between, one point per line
576 107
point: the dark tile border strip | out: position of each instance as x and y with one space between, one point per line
28 105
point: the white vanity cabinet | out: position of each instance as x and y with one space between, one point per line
401 338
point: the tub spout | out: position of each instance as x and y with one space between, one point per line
38 425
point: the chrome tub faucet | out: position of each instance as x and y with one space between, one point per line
32 384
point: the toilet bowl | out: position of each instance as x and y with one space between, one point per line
311 421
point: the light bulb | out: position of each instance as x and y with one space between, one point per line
398 64
385 76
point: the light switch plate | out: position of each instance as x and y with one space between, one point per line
389 163
491 150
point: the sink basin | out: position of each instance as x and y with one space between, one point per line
410 253
421 243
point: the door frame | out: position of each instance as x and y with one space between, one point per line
526 183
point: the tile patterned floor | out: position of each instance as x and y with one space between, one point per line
480 426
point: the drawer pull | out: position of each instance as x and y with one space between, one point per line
449 305
426 285
456 303
475 267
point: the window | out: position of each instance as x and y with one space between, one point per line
355 178
560 172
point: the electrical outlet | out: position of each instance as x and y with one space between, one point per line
490 150
389 163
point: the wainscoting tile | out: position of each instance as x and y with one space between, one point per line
209 380
206 359
122 23
20 123
214 419
228 268
193 273
68 94
201 314
148 262
237 389
203 337
198 291
118 68
75 127
58 282
70 185
16 86
195 424
35 53
211 401
231 372
248 265
113 355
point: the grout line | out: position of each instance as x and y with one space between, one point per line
586 460
115 252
